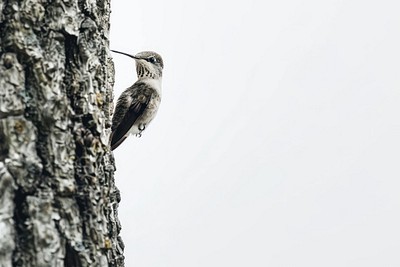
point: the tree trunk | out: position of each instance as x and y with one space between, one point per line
58 200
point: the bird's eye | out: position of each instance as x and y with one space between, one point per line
152 60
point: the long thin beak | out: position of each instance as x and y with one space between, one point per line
124 54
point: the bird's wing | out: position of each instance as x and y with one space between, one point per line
129 108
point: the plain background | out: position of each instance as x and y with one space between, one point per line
277 142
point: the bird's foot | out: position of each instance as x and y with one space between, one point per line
142 127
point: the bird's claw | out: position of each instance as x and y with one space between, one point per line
141 128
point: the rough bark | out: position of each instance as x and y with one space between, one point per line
58 200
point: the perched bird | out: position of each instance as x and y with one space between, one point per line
138 105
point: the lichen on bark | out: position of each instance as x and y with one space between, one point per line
58 199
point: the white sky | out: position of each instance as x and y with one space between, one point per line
277 142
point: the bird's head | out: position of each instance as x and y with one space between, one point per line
148 64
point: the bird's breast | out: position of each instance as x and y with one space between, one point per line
148 115
153 83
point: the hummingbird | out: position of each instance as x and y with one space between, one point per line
137 106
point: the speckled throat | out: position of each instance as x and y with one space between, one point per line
144 71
